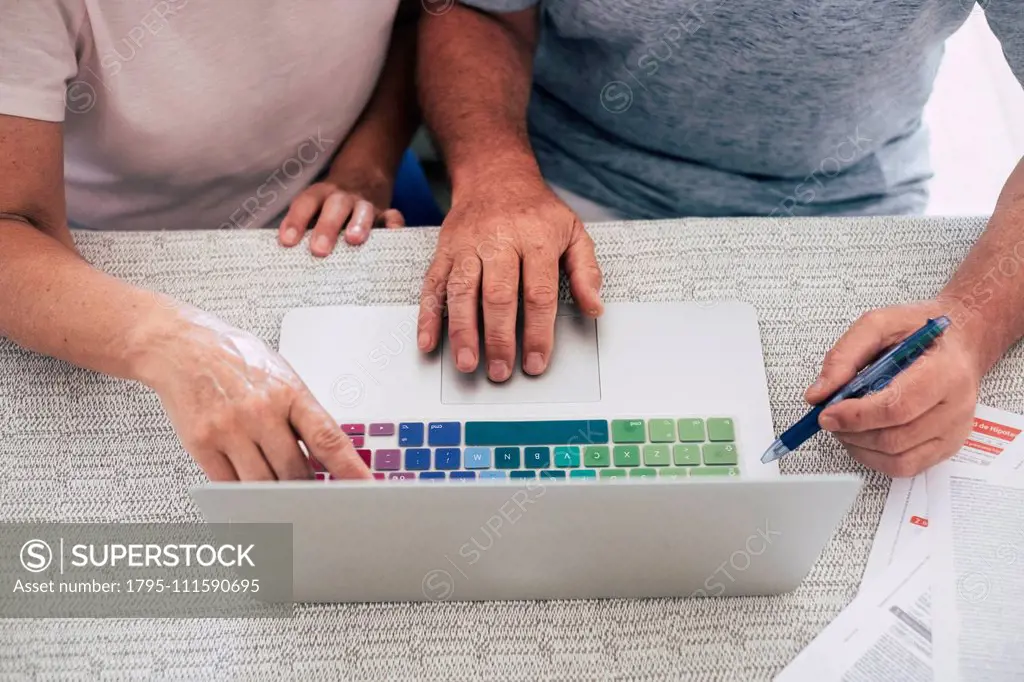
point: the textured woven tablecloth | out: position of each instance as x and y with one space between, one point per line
76 446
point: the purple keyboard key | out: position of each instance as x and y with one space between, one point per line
402 476
382 429
387 460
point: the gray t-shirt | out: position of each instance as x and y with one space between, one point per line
662 108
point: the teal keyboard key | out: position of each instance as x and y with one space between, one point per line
567 456
491 474
506 458
583 473
537 457
522 474
570 431
597 456
477 458
552 473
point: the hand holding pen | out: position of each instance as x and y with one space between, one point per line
927 417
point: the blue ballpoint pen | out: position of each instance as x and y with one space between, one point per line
871 379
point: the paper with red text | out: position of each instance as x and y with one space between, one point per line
995 441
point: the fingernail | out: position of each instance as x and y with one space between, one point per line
291 235
498 370
534 363
828 423
423 341
321 244
465 360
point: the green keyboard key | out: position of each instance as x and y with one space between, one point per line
686 455
613 473
628 431
567 456
583 473
657 455
662 430
691 430
674 472
627 455
720 453
720 429
643 473
597 456
714 471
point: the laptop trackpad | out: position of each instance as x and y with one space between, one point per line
573 375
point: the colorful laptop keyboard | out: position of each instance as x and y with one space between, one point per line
558 449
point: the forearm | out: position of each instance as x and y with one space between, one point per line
374 148
986 294
54 303
474 78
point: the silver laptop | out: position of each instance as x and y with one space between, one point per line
629 469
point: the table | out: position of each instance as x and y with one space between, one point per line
76 446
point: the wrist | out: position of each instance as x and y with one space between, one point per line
151 338
973 328
370 180
496 174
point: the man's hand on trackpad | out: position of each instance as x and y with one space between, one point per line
489 240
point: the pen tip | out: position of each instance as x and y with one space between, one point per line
777 450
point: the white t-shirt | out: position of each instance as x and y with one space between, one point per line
190 114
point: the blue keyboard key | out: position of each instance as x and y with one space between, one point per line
410 434
478 458
552 474
434 476
417 459
440 434
523 474
506 458
489 474
538 458
462 475
446 458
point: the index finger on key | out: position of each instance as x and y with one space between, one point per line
325 440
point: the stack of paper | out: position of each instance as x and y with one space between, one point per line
954 537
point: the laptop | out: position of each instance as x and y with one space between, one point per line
629 469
